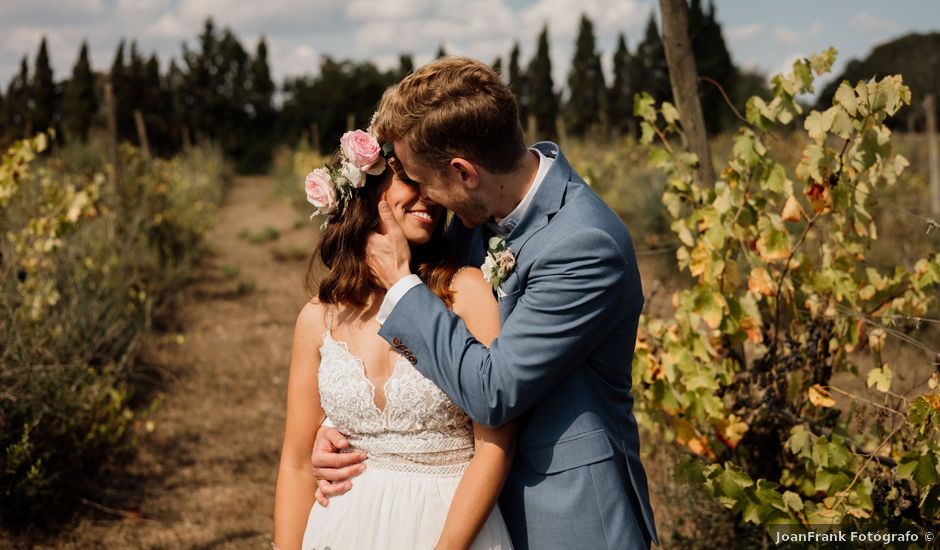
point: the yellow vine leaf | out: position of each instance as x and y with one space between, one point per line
791 210
820 396
880 378
933 400
760 282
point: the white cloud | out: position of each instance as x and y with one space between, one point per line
395 27
744 32
791 37
298 60
141 6
608 16
61 43
15 10
167 25
486 29
389 9
260 16
866 22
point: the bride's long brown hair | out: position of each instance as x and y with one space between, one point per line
342 250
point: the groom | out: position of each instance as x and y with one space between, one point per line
569 303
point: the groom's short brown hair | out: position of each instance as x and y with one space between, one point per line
454 107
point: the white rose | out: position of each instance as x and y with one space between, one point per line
489 268
352 174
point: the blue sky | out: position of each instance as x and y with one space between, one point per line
766 35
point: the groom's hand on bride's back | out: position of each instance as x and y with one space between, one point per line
333 468
387 252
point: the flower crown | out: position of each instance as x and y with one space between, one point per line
330 189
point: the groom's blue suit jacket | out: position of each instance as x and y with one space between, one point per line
561 366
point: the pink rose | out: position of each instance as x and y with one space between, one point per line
319 188
363 151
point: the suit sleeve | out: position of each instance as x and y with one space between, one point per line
573 297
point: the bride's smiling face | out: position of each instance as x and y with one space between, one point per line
416 217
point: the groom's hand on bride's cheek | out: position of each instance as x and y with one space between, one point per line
387 253
334 469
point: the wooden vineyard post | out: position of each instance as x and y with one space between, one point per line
142 133
684 80
111 113
933 156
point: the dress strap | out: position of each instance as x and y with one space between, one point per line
329 320
454 276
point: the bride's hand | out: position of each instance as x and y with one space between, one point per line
334 469
387 253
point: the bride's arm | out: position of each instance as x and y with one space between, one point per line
296 484
483 480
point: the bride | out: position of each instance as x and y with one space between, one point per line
432 477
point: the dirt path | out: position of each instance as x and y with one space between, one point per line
205 474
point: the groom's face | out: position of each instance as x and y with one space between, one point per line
445 189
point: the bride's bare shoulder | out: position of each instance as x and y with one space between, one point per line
311 321
469 280
470 290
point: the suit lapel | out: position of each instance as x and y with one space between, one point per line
548 199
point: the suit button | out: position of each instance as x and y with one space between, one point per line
396 341
412 359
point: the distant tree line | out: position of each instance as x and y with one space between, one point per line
220 91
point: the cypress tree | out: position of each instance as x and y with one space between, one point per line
43 92
261 98
201 90
620 94
122 90
406 66
156 108
175 81
543 102
649 65
261 106
517 83
440 52
16 107
80 102
497 65
585 82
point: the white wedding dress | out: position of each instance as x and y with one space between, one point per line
418 447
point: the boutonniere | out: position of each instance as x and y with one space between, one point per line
499 262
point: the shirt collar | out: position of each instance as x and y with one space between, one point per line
504 226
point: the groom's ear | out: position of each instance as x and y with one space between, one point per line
465 172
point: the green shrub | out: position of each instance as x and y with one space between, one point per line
83 262
760 372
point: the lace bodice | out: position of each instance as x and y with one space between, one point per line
419 430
